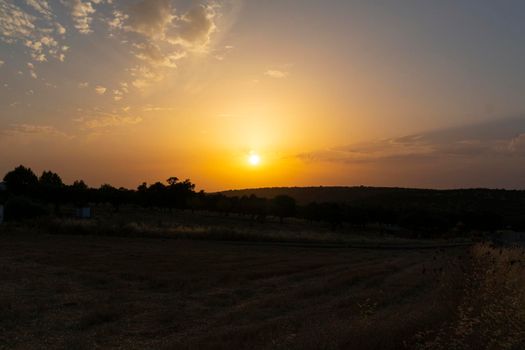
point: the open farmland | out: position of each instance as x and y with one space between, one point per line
76 292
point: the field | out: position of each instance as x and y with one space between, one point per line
83 292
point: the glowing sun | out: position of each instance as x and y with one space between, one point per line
254 159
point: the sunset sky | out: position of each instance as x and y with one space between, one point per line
251 93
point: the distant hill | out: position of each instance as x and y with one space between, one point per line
305 195
507 203
341 194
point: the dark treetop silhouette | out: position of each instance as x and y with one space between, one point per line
435 211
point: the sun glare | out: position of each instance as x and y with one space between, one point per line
254 159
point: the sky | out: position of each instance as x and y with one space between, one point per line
381 93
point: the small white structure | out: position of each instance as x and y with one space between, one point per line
84 213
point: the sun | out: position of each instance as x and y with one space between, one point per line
254 159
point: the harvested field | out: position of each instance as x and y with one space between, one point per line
84 292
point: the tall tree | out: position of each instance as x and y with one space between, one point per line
283 206
50 179
52 189
21 180
79 192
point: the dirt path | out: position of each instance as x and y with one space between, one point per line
366 246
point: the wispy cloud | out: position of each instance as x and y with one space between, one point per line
38 31
101 90
444 144
151 108
117 95
194 28
33 129
31 68
15 23
108 120
277 74
150 17
156 33
165 36
82 12
41 6
517 144
154 56
60 28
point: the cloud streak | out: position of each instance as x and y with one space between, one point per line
276 74
41 6
108 120
480 142
101 90
27 129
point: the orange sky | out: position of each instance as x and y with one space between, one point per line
326 93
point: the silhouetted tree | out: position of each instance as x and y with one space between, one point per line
52 189
142 194
283 206
224 205
78 193
332 213
172 181
197 201
311 212
157 195
430 211
22 207
254 206
50 179
179 193
109 194
21 180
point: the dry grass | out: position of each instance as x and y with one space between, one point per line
492 312
84 292
138 222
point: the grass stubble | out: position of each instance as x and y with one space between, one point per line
93 291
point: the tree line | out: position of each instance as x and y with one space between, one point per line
29 195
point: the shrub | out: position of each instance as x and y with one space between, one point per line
22 208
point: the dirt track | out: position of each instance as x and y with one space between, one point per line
365 246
